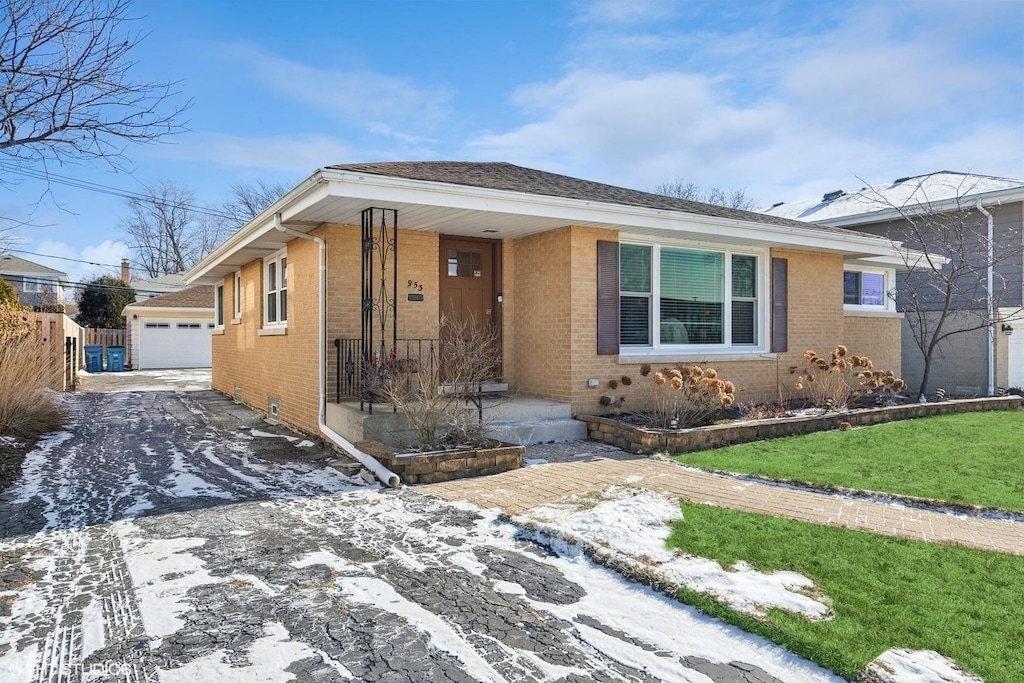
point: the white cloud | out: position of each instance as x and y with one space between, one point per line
301 153
360 96
626 11
108 252
783 116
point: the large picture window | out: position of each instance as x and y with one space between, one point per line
275 286
675 296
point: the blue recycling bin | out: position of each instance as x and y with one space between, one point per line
93 357
115 359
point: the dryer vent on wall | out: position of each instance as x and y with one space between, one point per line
273 410
238 394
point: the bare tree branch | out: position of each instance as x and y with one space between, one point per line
947 255
165 233
65 89
733 198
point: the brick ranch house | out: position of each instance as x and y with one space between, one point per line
580 281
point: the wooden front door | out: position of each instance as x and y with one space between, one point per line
467 281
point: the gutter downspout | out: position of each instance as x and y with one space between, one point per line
385 475
991 304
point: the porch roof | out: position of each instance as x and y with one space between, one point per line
504 201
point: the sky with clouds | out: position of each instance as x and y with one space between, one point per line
786 99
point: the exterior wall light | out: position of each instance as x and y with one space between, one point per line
1007 329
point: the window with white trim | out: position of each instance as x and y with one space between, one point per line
680 297
238 295
275 288
218 305
867 289
30 285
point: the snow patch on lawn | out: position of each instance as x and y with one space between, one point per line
631 526
897 665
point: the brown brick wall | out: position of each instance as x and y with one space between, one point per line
541 328
284 367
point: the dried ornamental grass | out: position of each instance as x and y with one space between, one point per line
28 407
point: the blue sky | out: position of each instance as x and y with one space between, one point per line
785 99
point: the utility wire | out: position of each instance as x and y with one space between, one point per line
63 258
105 189
82 285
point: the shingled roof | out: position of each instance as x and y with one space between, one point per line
200 296
13 264
512 178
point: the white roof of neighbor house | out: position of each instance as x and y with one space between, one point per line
937 191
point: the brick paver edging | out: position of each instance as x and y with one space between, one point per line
643 440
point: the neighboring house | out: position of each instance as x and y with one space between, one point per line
972 358
582 282
171 330
150 287
37 286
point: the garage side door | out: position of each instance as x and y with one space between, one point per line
174 343
1015 365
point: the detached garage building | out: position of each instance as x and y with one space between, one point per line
171 330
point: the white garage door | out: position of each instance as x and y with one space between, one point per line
1015 363
174 343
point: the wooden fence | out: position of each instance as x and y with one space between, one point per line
105 338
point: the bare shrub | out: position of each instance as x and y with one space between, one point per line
682 396
436 394
27 405
831 382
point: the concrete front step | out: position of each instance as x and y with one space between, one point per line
528 432
521 420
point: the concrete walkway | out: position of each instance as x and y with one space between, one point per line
580 467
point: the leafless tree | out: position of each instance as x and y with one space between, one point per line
948 256
245 201
165 230
733 198
65 87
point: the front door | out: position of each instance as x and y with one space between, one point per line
468 283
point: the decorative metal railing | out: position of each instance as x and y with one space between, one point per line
365 375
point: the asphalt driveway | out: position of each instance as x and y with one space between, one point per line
173 536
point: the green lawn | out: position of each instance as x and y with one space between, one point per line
886 592
973 458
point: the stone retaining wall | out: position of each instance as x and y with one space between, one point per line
429 468
642 440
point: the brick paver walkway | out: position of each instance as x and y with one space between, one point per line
522 489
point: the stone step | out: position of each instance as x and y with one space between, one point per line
527 432
524 408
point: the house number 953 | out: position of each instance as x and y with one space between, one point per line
415 286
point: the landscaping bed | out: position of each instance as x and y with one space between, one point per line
636 439
456 463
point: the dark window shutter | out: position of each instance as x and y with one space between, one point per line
780 304
607 298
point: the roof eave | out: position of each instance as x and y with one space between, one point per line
995 197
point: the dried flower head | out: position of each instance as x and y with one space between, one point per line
677 383
626 380
659 378
711 372
696 372
821 363
613 384
840 350
727 400
799 386
730 388
810 355
606 400
675 373
645 369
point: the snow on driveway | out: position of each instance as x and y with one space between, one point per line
172 536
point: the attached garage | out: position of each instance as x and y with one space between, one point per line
171 330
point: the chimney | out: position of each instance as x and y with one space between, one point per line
125 272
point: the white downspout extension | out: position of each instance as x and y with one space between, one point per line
991 305
382 473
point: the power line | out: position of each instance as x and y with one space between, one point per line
49 177
82 285
63 258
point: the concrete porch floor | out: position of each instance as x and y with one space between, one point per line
516 419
